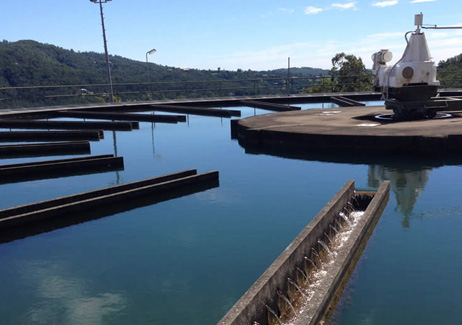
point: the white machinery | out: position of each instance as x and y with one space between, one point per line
410 84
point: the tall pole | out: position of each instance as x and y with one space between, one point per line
109 78
147 63
288 76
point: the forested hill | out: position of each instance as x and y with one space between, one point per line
450 72
30 63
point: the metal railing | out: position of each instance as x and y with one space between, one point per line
142 91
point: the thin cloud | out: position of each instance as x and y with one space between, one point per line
344 6
312 10
318 54
383 4
420 1
338 6
289 11
385 36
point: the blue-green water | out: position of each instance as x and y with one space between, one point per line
188 260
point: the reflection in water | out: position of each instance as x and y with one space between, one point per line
153 126
407 184
114 139
408 175
154 156
64 298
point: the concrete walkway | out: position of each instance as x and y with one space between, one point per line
352 128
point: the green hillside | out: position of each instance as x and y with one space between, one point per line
29 63
450 72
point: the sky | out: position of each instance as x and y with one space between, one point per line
236 34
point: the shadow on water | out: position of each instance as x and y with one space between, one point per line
408 175
10 234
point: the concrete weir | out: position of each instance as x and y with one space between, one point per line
270 106
37 136
196 110
59 168
45 149
21 221
304 282
68 125
121 116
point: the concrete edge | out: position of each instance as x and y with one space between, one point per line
66 125
251 306
92 194
354 248
23 150
38 136
84 205
254 138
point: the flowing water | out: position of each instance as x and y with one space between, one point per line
299 290
344 217
311 262
273 315
287 301
334 229
325 247
188 260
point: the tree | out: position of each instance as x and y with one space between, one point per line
348 74
325 85
450 72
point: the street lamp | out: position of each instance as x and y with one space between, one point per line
147 63
109 78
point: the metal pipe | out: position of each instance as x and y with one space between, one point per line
288 76
442 27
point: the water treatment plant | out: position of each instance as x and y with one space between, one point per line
223 225
326 208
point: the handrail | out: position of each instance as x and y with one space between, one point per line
135 91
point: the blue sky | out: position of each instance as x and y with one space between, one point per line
250 34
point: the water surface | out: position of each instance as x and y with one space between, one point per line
188 260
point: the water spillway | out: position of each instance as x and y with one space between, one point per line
59 168
302 283
121 116
44 149
270 106
21 221
68 125
196 110
36 136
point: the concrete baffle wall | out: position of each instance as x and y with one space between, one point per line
251 306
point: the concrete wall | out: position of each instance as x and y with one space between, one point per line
251 307
326 294
61 207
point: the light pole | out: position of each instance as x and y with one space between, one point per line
109 78
147 63
288 76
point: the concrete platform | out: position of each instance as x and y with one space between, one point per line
350 129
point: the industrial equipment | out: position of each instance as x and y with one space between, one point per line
409 87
